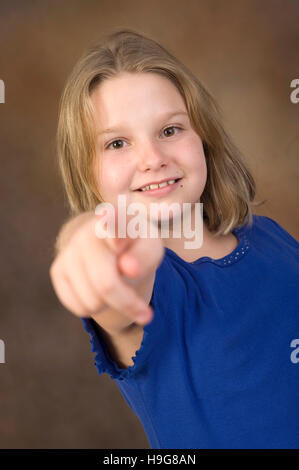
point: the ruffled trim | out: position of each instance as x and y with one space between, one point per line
103 361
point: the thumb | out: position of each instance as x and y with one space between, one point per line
141 258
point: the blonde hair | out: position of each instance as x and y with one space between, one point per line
230 188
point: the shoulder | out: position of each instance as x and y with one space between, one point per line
271 227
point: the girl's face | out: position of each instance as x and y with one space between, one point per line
150 139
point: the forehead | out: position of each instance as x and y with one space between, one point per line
139 94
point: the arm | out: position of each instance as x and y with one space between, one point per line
123 343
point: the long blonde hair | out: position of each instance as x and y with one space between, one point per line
230 188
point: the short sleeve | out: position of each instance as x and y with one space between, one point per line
153 333
282 232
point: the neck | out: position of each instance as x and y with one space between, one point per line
212 246
178 244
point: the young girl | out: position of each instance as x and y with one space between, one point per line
214 362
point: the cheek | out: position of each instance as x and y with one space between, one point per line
192 145
113 177
196 168
104 177
200 170
198 161
194 157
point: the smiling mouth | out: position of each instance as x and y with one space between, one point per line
149 190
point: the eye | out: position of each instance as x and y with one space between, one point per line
121 140
113 142
171 127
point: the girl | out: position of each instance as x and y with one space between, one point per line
214 363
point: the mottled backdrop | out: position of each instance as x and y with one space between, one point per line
246 53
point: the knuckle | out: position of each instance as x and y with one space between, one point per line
79 239
75 308
94 306
81 313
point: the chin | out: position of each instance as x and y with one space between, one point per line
164 218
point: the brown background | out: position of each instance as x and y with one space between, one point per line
246 53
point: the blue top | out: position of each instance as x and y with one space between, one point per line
218 366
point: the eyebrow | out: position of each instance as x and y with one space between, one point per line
163 116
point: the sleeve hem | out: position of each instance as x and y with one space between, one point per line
103 361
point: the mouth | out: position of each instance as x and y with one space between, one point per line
160 191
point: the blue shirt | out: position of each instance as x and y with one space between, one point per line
218 366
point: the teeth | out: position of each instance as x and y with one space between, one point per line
155 186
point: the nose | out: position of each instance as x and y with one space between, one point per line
151 157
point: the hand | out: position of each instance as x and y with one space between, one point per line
91 274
